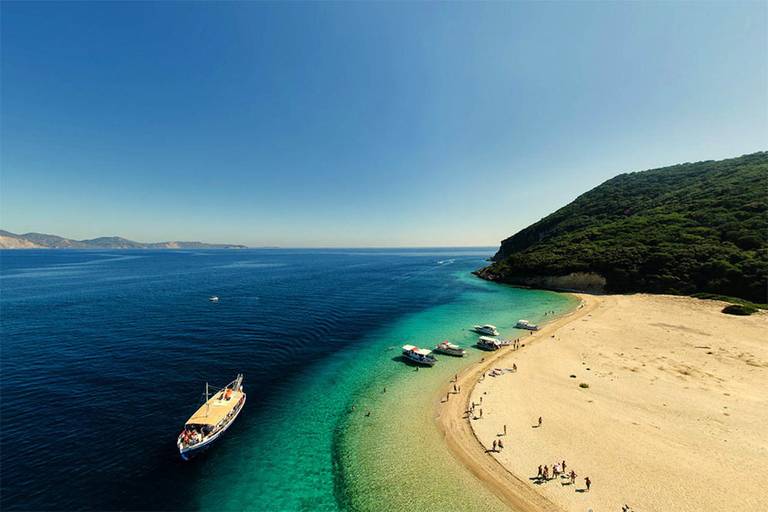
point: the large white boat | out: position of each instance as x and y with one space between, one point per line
419 355
212 419
449 348
490 330
525 324
487 343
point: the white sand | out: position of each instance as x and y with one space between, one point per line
664 425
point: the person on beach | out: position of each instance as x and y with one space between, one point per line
573 477
456 378
540 473
447 396
494 445
546 472
588 482
501 445
481 413
555 470
385 390
514 367
459 389
539 420
505 430
563 467
454 388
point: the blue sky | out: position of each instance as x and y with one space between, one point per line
358 124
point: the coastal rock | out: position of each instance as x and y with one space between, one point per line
10 242
575 282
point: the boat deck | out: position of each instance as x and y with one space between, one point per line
218 410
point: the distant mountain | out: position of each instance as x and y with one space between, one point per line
10 240
685 229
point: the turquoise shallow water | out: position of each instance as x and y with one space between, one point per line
327 458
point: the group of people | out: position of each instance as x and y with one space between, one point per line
559 470
192 436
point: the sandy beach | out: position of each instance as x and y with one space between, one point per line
675 416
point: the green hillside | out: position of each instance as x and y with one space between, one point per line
685 229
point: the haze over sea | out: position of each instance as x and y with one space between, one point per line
106 354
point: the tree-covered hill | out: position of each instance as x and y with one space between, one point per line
685 229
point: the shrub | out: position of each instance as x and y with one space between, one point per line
739 309
584 385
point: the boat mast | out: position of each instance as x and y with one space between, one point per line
207 404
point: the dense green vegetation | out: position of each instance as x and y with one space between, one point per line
738 309
689 228
734 300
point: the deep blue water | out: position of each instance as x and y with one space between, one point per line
105 355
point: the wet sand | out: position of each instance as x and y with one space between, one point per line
675 416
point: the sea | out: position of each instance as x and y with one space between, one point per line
105 355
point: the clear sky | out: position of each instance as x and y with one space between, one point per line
358 124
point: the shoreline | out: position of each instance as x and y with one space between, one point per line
456 428
678 392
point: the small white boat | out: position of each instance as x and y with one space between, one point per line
488 329
214 299
212 419
487 343
525 324
419 355
449 348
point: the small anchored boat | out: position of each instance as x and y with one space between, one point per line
419 355
214 299
525 324
449 348
487 343
212 419
488 329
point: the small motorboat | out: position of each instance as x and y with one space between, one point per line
488 329
525 324
214 299
487 343
449 348
419 355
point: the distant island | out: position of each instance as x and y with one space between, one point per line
10 240
686 229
